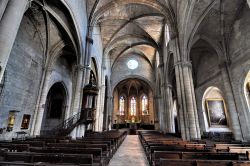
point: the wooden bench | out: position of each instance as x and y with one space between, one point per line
193 155
98 158
104 147
171 162
15 147
224 147
48 158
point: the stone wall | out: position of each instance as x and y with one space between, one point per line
239 53
23 76
120 71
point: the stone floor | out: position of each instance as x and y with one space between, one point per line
130 153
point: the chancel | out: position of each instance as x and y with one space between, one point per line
125 82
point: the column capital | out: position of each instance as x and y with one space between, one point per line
87 67
50 69
167 85
79 67
184 64
157 97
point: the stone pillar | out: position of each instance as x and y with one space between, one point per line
230 102
188 111
169 110
78 90
76 108
87 60
41 107
181 102
157 100
110 111
194 128
3 4
248 2
99 109
9 26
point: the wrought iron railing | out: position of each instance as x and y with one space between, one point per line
66 126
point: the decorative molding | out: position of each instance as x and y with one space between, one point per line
184 64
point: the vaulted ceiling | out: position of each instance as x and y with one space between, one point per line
129 26
137 26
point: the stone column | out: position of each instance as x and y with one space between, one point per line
190 102
181 101
78 91
76 108
234 120
169 109
9 26
87 60
186 97
3 4
110 111
157 100
248 2
39 117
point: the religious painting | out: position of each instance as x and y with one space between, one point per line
25 121
216 111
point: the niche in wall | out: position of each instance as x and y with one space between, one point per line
214 110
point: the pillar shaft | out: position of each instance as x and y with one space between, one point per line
3 5
190 102
230 101
188 111
40 112
78 90
9 26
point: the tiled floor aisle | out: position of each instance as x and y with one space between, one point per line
130 153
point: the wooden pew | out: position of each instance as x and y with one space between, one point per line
30 157
15 147
193 156
238 149
193 146
96 152
224 147
104 147
37 164
31 143
171 162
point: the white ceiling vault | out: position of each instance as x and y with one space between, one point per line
129 26
137 26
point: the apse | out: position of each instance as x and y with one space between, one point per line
133 103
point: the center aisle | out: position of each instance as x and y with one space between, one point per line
130 153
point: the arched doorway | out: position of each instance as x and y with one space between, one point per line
54 108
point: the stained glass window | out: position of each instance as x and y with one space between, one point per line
144 103
133 106
121 105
